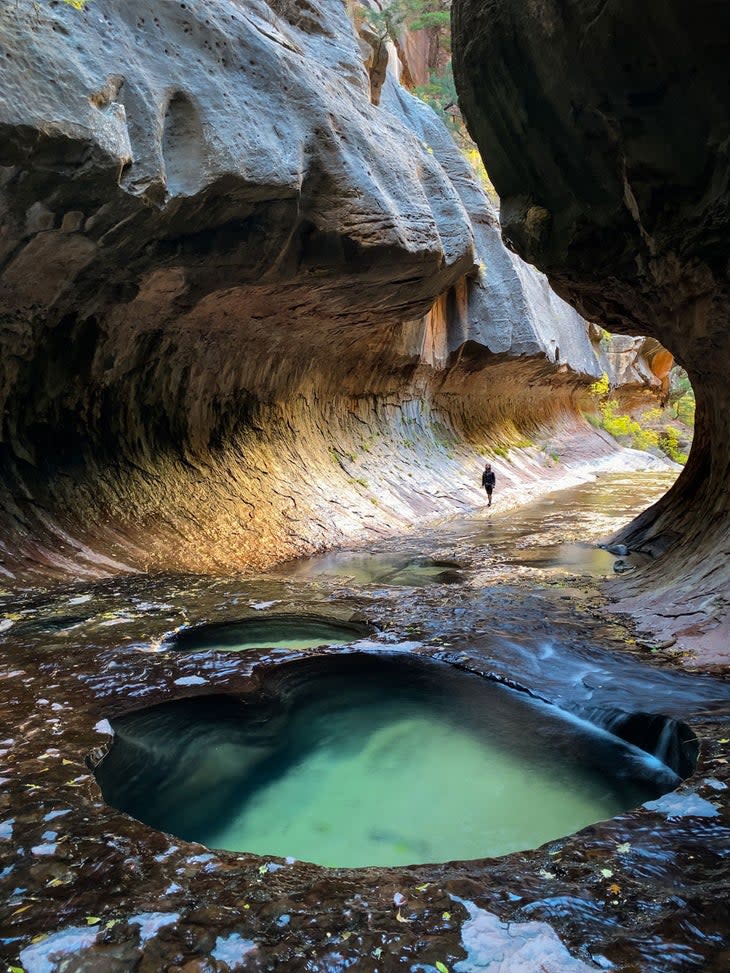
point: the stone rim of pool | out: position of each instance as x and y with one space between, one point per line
272 675
203 637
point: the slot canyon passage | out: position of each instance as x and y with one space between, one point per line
277 690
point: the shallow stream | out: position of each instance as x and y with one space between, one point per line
455 694
376 762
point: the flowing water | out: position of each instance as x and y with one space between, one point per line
457 692
384 759
387 763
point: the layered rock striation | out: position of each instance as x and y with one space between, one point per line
605 130
244 311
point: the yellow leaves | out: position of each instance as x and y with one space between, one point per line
601 387
401 918
92 920
422 888
76 4
23 908
446 916
441 967
614 889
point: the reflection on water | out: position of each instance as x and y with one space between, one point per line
361 760
559 532
384 569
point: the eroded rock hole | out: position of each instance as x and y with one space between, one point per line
272 632
381 569
183 147
671 741
362 759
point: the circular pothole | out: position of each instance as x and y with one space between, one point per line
355 759
269 632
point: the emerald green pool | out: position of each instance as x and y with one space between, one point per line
358 759
269 631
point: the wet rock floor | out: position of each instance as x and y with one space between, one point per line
512 596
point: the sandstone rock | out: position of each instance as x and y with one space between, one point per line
613 119
232 290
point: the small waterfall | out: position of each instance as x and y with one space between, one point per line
667 739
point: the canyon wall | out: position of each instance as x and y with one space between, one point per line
605 129
245 312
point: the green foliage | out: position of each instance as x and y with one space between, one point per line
650 431
684 409
413 15
669 442
681 396
629 431
624 427
601 387
439 93
438 19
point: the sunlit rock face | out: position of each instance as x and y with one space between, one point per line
604 128
244 310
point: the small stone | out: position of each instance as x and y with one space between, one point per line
620 550
72 221
38 218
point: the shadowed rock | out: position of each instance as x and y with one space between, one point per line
604 128
233 291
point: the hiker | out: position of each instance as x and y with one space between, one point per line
488 481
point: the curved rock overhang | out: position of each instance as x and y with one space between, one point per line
605 130
244 310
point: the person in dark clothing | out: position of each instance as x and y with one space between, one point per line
489 481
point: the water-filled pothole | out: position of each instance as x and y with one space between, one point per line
271 632
356 759
383 569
